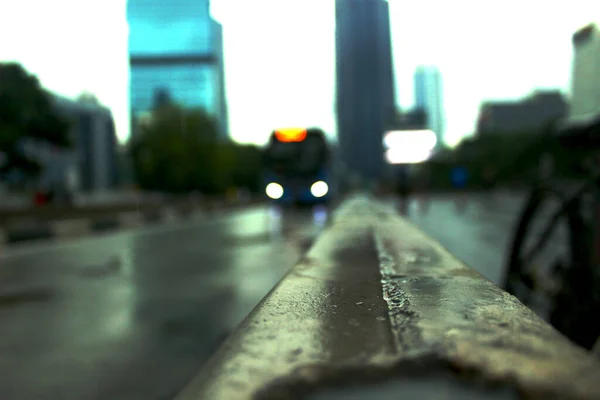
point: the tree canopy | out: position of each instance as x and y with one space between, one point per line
506 157
177 150
88 97
26 112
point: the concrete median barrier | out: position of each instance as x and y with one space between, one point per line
376 309
43 225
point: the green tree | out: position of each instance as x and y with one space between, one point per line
248 167
26 113
124 165
177 151
515 157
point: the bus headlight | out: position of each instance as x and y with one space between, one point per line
274 190
319 189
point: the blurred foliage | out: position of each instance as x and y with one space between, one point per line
26 114
88 97
503 159
124 165
178 151
248 167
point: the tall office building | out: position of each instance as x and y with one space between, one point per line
175 52
91 164
528 115
219 83
428 97
365 98
585 79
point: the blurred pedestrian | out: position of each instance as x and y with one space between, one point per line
460 180
404 186
460 177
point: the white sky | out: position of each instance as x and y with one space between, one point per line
484 49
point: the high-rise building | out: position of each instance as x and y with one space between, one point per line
531 114
175 52
412 119
585 80
365 98
91 164
221 95
429 98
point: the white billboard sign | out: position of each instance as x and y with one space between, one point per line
409 146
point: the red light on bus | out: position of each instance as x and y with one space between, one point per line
291 134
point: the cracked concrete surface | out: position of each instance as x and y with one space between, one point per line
376 301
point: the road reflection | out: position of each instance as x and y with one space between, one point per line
119 320
138 310
320 215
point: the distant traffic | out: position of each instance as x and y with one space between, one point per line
297 166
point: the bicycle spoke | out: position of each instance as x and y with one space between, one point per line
544 238
545 284
552 224
539 253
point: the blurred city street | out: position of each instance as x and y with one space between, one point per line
134 314
476 228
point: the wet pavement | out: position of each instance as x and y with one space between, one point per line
133 315
476 228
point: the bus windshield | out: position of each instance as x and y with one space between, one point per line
305 157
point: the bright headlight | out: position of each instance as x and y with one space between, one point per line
274 190
319 189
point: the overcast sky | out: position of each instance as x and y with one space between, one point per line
485 50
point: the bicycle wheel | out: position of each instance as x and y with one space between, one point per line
560 285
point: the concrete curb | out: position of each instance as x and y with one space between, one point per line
377 309
26 230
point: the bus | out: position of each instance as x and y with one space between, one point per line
297 166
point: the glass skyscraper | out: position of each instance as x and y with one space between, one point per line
428 97
175 51
365 98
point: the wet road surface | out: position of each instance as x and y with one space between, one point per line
476 228
133 315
